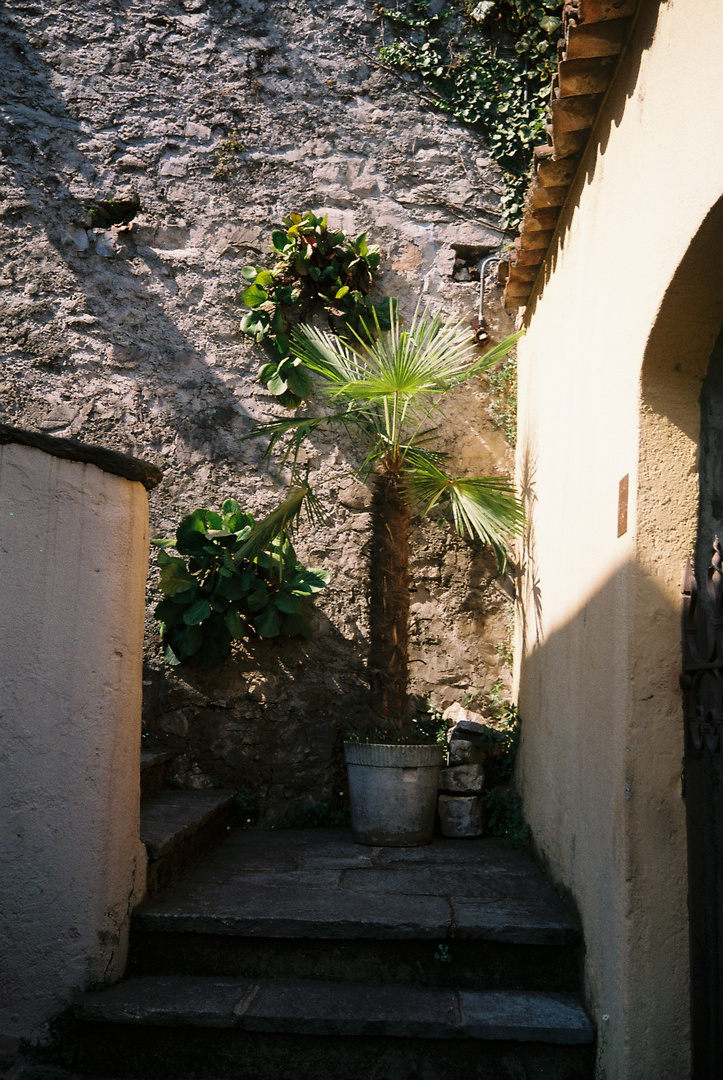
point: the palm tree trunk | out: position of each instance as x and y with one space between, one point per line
389 602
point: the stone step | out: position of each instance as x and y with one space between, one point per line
318 884
216 1027
178 827
155 771
464 964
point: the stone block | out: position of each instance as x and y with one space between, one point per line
463 752
460 815
462 779
467 725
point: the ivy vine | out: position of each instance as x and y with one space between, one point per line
489 64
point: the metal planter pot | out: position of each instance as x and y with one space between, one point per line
393 792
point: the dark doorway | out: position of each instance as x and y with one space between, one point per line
703 685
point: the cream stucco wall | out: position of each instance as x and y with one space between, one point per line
73 562
610 374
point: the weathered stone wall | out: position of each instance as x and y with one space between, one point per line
131 339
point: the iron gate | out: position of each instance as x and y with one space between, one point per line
702 684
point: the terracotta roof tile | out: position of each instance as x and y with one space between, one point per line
595 32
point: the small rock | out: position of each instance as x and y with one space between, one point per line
446 261
469 726
80 239
462 779
173 166
197 131
105 243
175 723
131 161
264 690
355 496
460 815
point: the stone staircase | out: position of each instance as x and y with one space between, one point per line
299 955
177 826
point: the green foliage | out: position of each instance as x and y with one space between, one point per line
248 808
225 154
502 737
504 816
422 731
502 383
389 391
316 269
489 64
221 587
443 954
431 727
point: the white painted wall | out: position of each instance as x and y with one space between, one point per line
598 649
73 563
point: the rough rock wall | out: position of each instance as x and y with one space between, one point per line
130 339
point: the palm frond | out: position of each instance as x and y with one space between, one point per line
490 358
281 520
297 428
482 507
325 354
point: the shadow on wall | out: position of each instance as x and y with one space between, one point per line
274 735
600 775
45 130
528 587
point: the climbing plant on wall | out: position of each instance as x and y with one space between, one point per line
316 269
489 64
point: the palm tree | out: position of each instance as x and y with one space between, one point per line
386 389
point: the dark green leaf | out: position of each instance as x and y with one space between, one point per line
287 603
235 624
197 612
268 623
169 612
276 384
299 381
279 240
254 296
258 599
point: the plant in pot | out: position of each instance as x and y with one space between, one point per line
387 391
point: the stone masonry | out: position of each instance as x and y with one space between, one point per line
130 338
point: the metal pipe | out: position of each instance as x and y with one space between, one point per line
482 265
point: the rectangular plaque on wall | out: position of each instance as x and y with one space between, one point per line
623 505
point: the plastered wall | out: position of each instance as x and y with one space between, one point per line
610 375
73 560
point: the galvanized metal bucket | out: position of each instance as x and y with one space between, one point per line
393 792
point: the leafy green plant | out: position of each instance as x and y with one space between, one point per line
387 393
225 154
504 817
502 383
316 269
231 579
502 736
430 727
489 64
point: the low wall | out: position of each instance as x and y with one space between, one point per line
73 561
